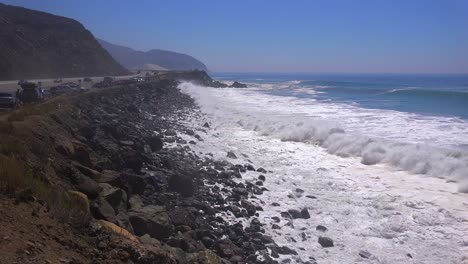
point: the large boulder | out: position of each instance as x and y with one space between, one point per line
182 184
186 216
152 220
251 209
111 205
155 143
87 186
116 197
237 84
131 183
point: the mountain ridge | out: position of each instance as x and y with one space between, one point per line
135 59
36 44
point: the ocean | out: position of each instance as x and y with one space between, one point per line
385 155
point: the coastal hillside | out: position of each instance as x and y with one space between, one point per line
134 59
35 44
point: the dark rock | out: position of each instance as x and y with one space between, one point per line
237 84
184 216
133 161
127 143
262 178
275 226
233 208
155 143
295 213
261 170
231 155
207 241
152 220
93 174
88 186
251 210
364 254
250 167
276 219
135 202
226 249
147 239
236 259
325 242
275 204
182 184
206 125
321 228
305 213
311 197
239 192
284 250
183 228
131 183
103 210
116 197
82 155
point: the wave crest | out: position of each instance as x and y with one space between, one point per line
415 158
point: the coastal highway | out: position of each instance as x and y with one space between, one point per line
11 86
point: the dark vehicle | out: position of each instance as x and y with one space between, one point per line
87 79
102 85
8 100
21 82
31 93
137 79
58 80
72 85
107 82
65 88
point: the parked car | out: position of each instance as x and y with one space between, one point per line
59 80
21 82
8 101
31 93
64 88
72 85
87 79
137 79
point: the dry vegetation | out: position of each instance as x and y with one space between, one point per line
19 180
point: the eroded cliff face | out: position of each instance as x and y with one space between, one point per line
35 44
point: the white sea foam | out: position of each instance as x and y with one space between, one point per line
396 216
413 143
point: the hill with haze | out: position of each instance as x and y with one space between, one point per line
152 60
36 44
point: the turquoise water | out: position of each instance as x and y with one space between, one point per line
426 94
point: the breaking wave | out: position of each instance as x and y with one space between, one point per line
415 158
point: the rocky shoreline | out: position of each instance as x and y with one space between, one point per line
122 148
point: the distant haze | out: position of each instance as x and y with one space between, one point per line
286 36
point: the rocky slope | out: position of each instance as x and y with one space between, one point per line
145 196
35 44
169 60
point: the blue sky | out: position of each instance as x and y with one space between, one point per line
285 36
